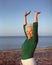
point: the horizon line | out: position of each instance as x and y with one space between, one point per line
22 35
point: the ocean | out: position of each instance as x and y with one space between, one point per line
15 42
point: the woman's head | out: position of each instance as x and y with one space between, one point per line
29 29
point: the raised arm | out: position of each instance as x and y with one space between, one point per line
25 17
36 16
25 21
35 26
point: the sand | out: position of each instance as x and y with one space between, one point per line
43 56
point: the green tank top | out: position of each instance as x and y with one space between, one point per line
29 45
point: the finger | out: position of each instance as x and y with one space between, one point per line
29 12
39 12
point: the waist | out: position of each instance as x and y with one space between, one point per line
26 56
27 60
30 61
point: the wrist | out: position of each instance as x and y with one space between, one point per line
36 13
25 15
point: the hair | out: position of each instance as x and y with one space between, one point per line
28 26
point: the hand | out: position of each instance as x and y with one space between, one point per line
35 12
27 13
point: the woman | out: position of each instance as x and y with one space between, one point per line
31 41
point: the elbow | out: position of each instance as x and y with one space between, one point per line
37 39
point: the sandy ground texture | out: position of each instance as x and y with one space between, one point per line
43 56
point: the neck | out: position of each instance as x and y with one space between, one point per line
29 37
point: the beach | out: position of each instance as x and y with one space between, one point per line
43 56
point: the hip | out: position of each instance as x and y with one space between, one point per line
30 61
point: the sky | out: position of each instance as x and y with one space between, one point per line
12 14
